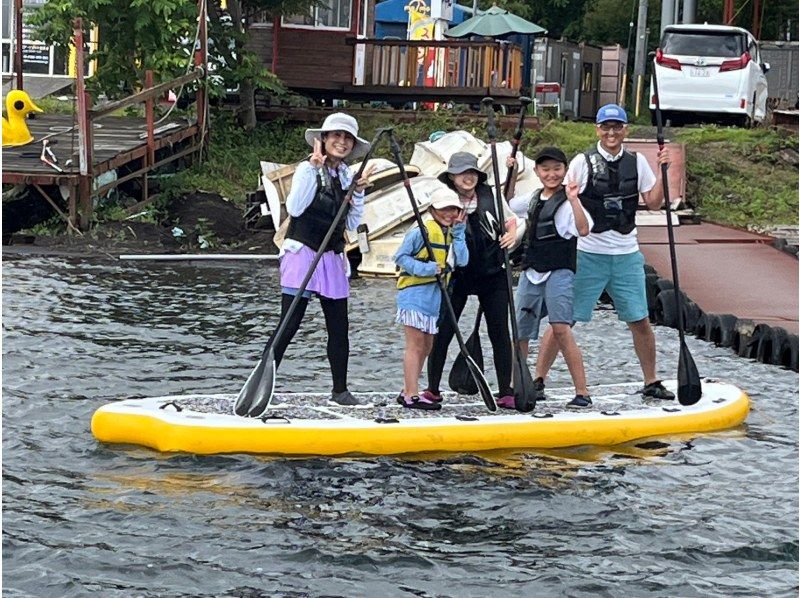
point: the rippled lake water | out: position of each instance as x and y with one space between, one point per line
709 515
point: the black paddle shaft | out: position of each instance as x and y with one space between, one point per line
482 384
498 202
689 387
524 103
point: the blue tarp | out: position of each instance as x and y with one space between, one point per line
391 18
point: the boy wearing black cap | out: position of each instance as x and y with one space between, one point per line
556 219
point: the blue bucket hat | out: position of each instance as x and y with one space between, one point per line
611 112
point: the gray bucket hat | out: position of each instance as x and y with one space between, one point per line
462 162
339 121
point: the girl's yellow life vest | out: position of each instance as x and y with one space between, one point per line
440 245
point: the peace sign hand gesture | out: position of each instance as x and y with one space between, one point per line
317 158
363 182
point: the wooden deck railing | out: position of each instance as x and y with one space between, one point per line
439 64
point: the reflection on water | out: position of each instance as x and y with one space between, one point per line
678 516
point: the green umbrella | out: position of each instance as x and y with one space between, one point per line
495 21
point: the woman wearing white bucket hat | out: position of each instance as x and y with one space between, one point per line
319 186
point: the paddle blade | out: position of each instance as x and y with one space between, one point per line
524 394
483 386
257 391
461 379
689 387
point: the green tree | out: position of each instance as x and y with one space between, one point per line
158 35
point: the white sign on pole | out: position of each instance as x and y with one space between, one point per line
442 9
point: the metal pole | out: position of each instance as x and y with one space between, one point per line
641 48
689 11
667 12
677 12
756 31
18 37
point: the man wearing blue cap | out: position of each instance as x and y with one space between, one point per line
610 180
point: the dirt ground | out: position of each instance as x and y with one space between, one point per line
196 223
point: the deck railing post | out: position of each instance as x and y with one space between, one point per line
84 131
151 141
201 60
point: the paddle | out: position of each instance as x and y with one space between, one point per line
524 102
256 394
689 387
477 374
524 394
461 380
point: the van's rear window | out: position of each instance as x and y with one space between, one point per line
685 43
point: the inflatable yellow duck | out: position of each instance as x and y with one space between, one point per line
15 129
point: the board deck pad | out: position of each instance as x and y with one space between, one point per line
618 398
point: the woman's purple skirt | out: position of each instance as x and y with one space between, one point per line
330 276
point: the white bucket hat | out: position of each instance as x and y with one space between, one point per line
339 121
444 197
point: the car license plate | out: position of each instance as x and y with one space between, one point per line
699 72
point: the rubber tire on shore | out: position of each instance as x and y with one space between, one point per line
701 326
764 346
666 312
720 329
742 333
651 290
779 339
787 353
750 350
691 314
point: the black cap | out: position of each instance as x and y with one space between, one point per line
551 153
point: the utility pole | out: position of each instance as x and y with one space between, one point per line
18 39
641 52
727 12
667 13
689 11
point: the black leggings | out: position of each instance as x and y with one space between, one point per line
492 293
337 325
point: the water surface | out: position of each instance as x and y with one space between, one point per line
682 516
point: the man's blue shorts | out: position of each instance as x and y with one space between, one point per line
552 298
622 276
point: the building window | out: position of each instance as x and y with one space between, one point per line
329 14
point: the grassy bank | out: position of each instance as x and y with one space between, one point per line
738 177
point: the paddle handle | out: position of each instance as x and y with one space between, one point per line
524 103
498 203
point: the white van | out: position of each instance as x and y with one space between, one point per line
710 71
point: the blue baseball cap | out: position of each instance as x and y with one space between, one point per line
611 112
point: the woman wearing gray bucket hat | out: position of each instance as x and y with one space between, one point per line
319 186
484 274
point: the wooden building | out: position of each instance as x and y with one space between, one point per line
331 53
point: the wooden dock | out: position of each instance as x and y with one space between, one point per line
117 143
71 152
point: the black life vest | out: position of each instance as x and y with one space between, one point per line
312 225
545 249
611 195
482 237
